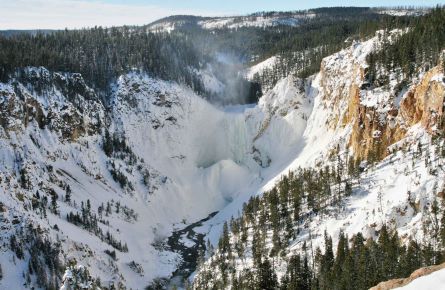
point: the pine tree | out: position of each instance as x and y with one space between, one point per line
24 180
411 259
267 278
224 241
325 262
68 194
339 268
54 206
107 144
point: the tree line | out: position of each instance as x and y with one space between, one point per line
101 55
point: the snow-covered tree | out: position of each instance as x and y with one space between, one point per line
77 277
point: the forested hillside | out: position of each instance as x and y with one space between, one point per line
417 50
272 245
101 54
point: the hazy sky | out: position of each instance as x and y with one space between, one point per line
59 14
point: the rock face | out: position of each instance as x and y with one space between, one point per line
424 102
381 116
63 102
396 283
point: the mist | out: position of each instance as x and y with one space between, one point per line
223 72
229 69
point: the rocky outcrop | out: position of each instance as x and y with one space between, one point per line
424 103
379 117
64 103
374 129
396 283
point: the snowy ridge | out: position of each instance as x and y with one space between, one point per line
253 21
232 22
258 20
260 67
404 12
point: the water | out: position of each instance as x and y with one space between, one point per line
189 254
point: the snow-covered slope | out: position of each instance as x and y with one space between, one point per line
175 158
253 21
347 119
260 67
231 22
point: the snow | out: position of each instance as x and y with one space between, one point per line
381 197
236 22
260 67
76 280
404 12
433 281
282 124
252 21
438 78
164 27
211 83
200 159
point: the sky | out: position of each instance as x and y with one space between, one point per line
60 14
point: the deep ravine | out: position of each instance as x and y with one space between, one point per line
189 254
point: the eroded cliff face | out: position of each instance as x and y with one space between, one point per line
424 102
375 129
61 102
375 126
380 116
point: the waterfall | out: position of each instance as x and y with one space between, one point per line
236 137
225 139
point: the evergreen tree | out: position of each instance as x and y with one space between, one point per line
267 278
224 241
54 206
68 194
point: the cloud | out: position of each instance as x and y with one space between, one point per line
60 14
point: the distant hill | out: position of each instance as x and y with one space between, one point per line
13 32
